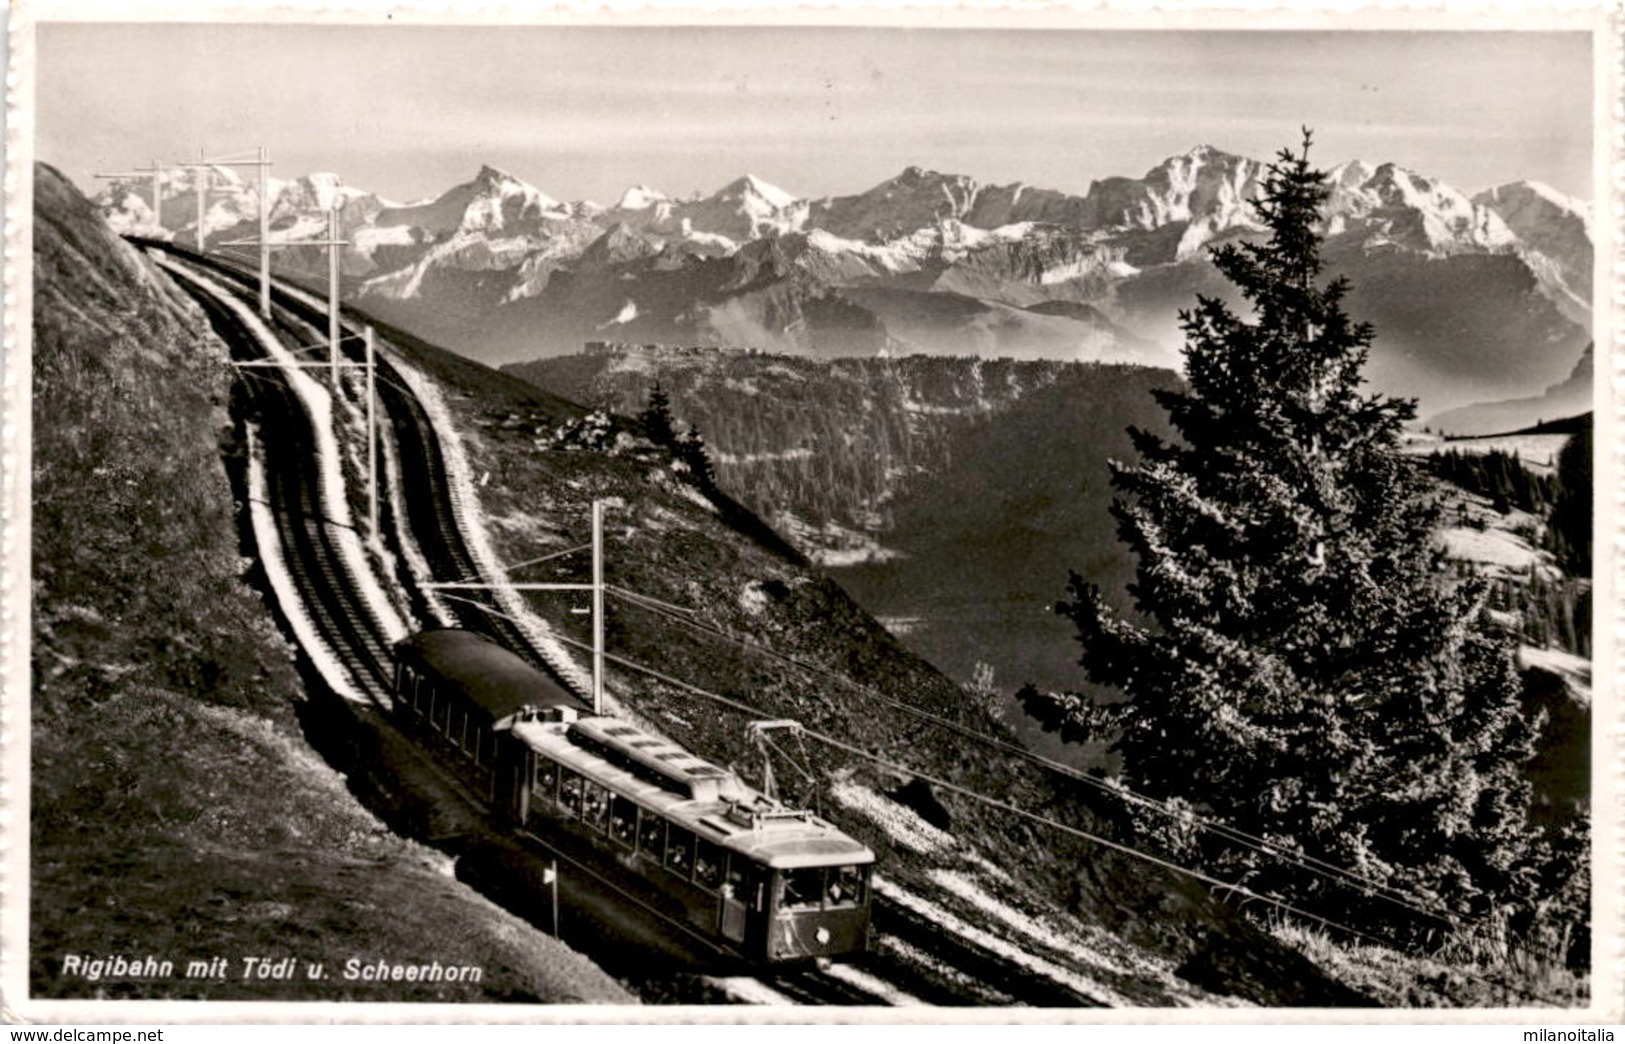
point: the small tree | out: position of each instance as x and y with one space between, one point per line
1571 514
656 417
1308 671
686 446
690 449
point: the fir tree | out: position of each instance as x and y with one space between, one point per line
690 449
1309 669
656 417
686 446
1571 515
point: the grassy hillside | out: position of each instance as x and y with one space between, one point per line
835 669
949 496
177 811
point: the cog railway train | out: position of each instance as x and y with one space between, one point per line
754 877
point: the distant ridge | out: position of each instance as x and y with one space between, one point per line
1475 298
1562 426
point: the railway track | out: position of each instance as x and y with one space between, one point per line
315 563
431 517
432 510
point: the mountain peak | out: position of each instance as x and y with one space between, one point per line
1203 155
491 175
641 197
495 178
1351 174
914 175
751 185
1528 191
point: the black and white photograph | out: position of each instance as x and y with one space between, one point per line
887 515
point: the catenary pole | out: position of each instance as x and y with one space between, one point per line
201 185
333 292
372 429
265 234
598 607
596 588
151 172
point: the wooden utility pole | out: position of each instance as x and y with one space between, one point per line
332 243
596 588
201 184
550 877
261 161
371 367
333 291
372 429
264 165
598 607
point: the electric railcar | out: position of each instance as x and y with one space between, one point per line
755 877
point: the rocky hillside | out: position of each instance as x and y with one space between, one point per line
948 495
177 810
1476 298
830 452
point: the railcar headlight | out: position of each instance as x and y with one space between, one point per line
822 935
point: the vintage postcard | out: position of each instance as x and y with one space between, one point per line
900 516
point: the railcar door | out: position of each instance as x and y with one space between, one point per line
516 767
733 900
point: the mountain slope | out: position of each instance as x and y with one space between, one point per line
1554 235
830 666
950 495
176 807
1573 395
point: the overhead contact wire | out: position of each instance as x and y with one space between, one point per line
1329 871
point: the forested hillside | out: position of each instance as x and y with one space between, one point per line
941 490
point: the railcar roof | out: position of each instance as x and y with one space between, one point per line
489 676
778 837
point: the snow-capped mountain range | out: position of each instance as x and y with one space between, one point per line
1473 297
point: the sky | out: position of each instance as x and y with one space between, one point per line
583 113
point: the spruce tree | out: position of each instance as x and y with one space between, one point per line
1571 514
656 417
1308 669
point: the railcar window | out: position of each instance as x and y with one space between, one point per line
476 744
455 720
707 864
733 884
652 836
546 779
679 850
595 806
846 886
570 793
623 820
442 710
803 887
422 694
